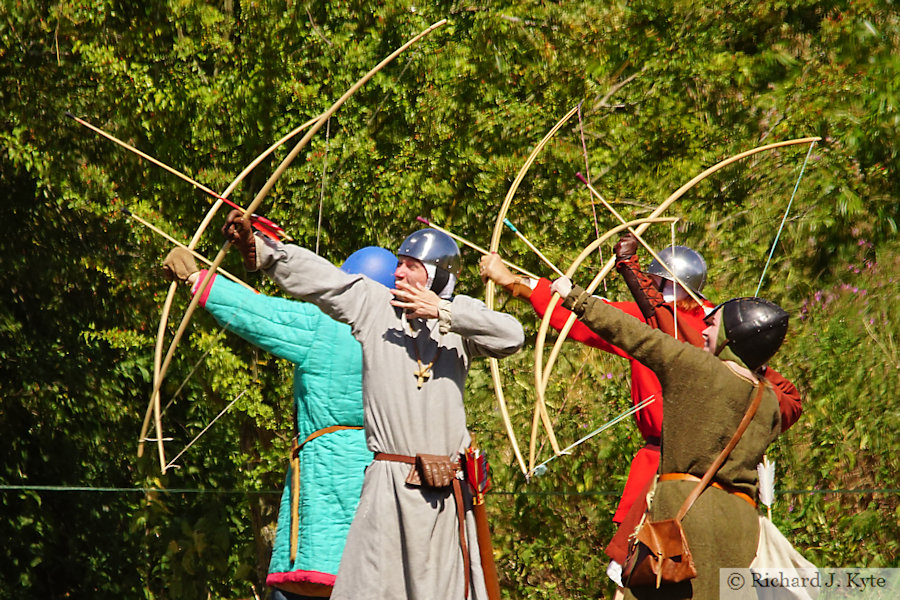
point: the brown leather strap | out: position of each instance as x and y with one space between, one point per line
461 517
486 551
295 480
715 484
460 509
658 313
410 460
519 288
319 432
711 471
295 499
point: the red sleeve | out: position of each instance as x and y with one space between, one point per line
540 300
788 398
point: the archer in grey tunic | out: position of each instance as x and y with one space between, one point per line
404 541
705 401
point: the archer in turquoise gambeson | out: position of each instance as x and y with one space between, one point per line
327 397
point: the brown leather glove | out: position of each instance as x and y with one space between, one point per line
179 265
435 471
626 247
239 232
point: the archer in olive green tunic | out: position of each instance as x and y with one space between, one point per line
705 401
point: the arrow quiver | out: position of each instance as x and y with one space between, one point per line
478 475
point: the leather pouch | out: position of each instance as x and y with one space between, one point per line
658 554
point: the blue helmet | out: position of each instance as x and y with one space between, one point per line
373 262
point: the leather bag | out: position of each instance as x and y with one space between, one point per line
658 554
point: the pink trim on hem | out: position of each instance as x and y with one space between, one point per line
274 579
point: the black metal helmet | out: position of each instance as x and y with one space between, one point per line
687 264
433 247
754 329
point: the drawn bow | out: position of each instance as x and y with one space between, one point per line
542 373
161 365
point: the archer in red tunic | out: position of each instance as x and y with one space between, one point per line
664 296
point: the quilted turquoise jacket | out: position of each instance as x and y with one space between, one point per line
327 391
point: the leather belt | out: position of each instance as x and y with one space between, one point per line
410 460
295 480
715 484
460 508
295 451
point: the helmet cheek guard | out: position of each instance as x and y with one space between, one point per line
436 248
754 329
687 265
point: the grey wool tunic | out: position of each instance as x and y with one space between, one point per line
705 402
404 541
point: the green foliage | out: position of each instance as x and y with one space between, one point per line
666 89
845 356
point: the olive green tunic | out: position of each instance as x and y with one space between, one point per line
705 402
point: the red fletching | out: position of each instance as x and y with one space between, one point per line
478 473
268 228
261 224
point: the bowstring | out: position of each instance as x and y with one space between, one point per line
675 285
324 175
784 218
340 163
205 429
646 402
587 173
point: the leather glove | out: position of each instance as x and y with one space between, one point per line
239 232
179 265
626 247
562 286
436 471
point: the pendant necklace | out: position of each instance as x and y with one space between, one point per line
423 372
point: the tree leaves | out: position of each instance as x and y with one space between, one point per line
668 89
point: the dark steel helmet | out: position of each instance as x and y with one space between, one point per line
754 329
432 247
373 262
687 264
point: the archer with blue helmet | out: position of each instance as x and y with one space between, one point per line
329 451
